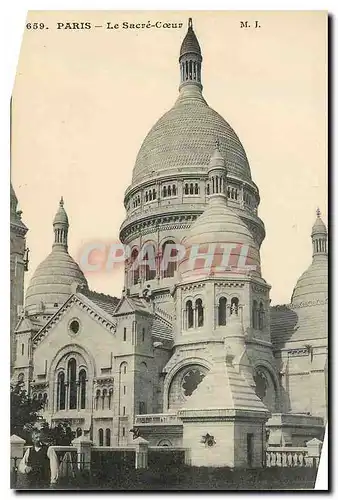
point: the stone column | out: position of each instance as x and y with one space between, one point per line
83 445
141 453
194 317
241 197
67 395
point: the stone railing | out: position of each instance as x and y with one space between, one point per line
290 456
157 419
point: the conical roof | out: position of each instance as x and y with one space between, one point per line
190 43
61 216
319 226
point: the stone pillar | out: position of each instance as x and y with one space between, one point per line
141 453
84 446
314 447
17 452
17 449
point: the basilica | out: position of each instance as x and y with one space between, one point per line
184 358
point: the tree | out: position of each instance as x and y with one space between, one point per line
60 435
24 411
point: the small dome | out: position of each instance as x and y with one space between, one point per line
319 226
313 283
218 226
190 43
61 216
52 281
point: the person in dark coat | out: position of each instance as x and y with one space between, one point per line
39 464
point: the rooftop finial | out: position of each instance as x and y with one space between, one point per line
190 23
61 202
318 212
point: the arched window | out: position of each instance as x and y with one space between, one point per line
254 314
154 194
228 192
199 312
146 197
222 311
174 190
208 189
78 432
150 195
191 190
107 437
61 392
72 384
21 377
189 314
169 190
149 262
186 189
82 381
196 188
97 399
261 316
165 192
45 400
100 437
169 266
234 305
135 266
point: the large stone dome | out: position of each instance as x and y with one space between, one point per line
185 136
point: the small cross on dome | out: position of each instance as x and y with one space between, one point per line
318 212
61 202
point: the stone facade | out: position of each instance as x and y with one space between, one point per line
167 359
